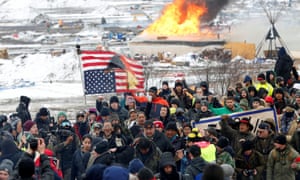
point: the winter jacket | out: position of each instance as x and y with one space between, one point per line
193 114
153 108
196 167
266 86
44 172
185 99
295 141
165 93
77 165
224 110
22 109
225 158
122 113
65 152
284 65
279 164
42 124
105 158
254 161
81 129
234 135
10 151
151 159
162 142
264 146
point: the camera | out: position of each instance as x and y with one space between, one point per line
249 172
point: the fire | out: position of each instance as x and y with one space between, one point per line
182 17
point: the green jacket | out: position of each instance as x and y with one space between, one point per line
225 158
224 110
255 161
279 164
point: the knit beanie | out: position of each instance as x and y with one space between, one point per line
7 165
114 99
135 166
28 125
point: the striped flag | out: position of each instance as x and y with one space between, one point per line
108 72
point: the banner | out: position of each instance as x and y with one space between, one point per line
256 117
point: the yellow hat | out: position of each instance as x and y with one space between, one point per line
191 135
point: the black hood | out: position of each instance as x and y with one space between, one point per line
167 159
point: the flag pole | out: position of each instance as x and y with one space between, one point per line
78 52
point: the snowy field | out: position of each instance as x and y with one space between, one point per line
55 81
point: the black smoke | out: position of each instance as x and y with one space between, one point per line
213 7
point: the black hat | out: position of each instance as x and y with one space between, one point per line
175 101
44 112
247 145
153 89
264 126
101 147
165 83
194 150
280 139
223 142
178 83
171 126
261 76
279 91
114 99
26 168
104 112
149 124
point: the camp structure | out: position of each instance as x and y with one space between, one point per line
244 49
272 39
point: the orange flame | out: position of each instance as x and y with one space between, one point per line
179 18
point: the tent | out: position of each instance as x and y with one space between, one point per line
272 38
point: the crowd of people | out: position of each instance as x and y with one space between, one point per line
141 137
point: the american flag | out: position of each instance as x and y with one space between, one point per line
100 80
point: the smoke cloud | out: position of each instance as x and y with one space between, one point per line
213 7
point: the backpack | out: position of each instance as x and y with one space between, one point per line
276 155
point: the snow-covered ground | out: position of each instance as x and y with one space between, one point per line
43 76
